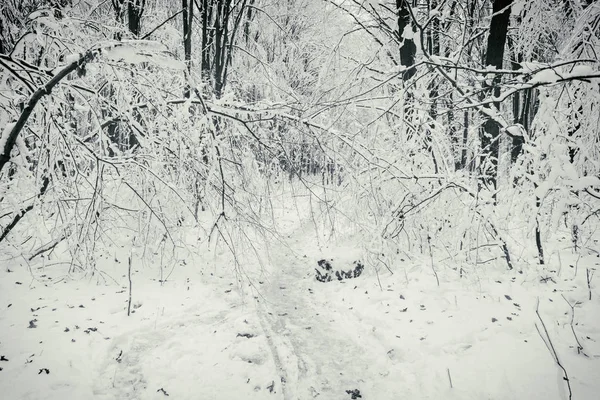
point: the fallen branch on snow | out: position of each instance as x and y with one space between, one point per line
551 349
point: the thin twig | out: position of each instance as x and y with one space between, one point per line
147 35
377 273
18 216
589 274
579 346
151 210
550 347
47 247
384 263
129 276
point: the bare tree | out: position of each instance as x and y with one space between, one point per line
134 11
494 58
408 49
188 17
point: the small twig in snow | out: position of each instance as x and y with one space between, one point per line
377 273
550 346
589 274
152 211
384 263
579 346
47 247
129 275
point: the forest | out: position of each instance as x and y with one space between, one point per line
292 199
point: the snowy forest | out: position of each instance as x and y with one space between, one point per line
299 199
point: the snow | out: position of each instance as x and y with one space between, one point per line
71 58
139 51
531 66
515 130
583 70
545 76
583 182
436 60
39 13
553 75
434 315
198 335
408 33
4 136
517 7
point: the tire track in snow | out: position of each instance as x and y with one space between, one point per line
280 349
315 353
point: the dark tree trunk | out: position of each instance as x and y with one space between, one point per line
465 138
226 27
526 110
408 49
220 20
205 17
3 40
249 16
219 27
433 47
524 107
517 141
461 141
135 10
188 15
494 58
118 7
572 134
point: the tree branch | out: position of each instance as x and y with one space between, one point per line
10 141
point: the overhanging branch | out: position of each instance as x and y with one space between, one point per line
46 89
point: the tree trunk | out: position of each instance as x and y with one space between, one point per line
188 15
135 10
249 16
490 135
465 140
408 49
433 46
206 44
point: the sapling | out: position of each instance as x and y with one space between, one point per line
129 276
589 274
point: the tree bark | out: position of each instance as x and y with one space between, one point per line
135 10
11 140
494 58
188 15
205 18
408 49
21 214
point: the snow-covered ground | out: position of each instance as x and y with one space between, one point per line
204 334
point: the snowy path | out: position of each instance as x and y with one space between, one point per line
316 354
467 340
196 337
320 348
